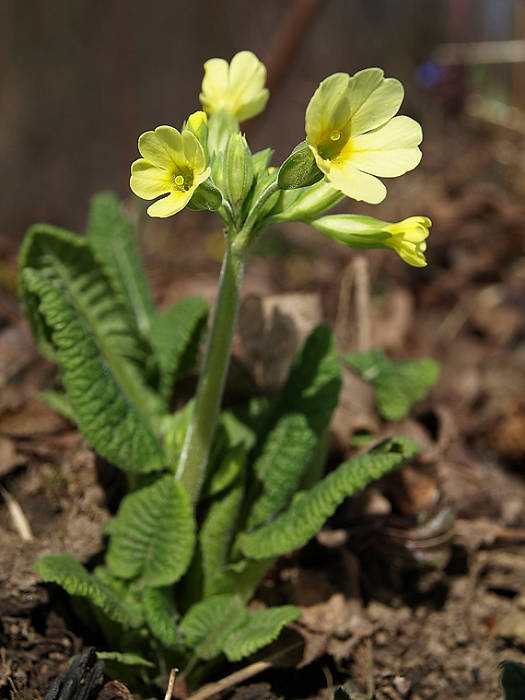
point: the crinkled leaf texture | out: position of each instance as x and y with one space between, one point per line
67 572
77 317
113 240
397 384
310 509
261 628
298 420
175 335
218 529
161 615
222 623
153 534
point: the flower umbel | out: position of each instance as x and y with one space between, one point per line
406 237
172 164
354 135
238 88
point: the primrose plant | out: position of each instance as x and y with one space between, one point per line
214 496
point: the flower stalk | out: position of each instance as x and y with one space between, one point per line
191 470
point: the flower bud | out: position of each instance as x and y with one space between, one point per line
406 237
238 168
299 169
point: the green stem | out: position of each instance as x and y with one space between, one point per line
195 452
245 236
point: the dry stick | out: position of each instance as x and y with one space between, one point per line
243 674
171 683
18 516
355 275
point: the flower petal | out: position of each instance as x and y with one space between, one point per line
193 152
162 147
328 109
214 83
373 100
356 184
167 206
147 180
246 84
389 151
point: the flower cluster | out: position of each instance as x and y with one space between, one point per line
353 138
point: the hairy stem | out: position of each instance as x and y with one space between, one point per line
195 453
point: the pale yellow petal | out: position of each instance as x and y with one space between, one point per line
389 151
246 85
328 109
147 180
373 100
214 83
193 152
356 184
161 147
167 206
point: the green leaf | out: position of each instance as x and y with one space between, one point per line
300 416
397 385
240 578
67 572
208 624
513 680
77 317
161 615
126 659
261 160
310 509
175 428
260 629
299 169
113 239
153 534
59 402
218 529
175 336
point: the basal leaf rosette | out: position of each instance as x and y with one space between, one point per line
355 137
407 237
237 87
173 164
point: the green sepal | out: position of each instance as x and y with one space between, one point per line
299 169
238 170
206 196
304 204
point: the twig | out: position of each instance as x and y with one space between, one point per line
243 674
355 275
20 522
171 684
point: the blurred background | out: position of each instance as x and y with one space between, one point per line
81 80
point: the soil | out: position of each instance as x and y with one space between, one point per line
415 589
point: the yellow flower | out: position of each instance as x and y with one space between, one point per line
172 164
406 237
238 88
354 135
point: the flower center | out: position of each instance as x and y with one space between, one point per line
183 179
335 135
332 144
